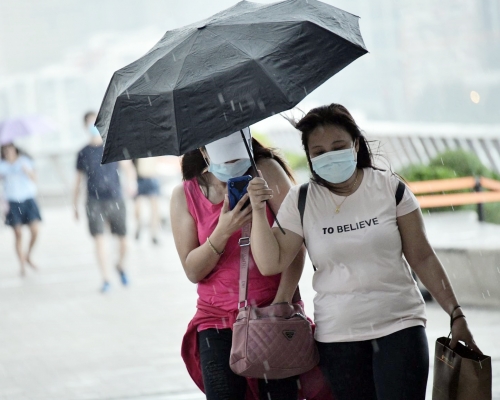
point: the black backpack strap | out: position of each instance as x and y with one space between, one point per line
302 206
302 201
400 191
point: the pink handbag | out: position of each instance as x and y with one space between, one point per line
272 342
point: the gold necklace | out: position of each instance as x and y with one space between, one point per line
337 209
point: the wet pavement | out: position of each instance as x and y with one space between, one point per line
63 340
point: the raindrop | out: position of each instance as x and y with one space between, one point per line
215 291
126 153
299 386
117 206
375 346
489 295
103 221
241 108
173 55
225 116
117 172
266 365
480 364
455 172
305 90
232 105
150 102
221 98
20 212
261 105
278 189
483 296
265 377
269 396
128 96
442 282
442 162
208 343
498 269
452 208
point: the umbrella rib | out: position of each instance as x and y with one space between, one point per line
251 58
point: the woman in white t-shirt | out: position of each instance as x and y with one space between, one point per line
369 313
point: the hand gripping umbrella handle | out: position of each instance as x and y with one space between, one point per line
256 173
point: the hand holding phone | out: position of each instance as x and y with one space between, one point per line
236 189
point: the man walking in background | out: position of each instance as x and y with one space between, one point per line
105 203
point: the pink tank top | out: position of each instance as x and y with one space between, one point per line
220 287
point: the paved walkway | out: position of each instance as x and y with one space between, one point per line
62 340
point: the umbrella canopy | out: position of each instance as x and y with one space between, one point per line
210 79
15 128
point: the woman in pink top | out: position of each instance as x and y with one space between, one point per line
206 235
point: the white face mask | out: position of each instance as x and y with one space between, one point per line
335 166
225 171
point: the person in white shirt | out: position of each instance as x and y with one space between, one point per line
369 313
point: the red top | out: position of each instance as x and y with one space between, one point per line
217 304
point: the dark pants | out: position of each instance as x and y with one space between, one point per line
393 367
221 383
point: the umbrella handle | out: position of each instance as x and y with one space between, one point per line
256 173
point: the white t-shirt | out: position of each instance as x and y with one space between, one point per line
364 287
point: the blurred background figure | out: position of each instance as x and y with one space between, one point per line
105 204
148 189
18 175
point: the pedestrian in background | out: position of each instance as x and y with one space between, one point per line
369 314
18 175
105 203
148 188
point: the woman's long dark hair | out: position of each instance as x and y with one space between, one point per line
193 164
337 115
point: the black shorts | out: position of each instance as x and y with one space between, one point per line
111 211
22 213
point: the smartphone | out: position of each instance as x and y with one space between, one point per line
236 189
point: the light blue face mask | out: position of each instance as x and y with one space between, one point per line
335 166
223 172
94 131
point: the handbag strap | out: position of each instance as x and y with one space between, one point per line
244 243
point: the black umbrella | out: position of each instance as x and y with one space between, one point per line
204 81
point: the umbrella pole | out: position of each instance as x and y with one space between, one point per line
256 173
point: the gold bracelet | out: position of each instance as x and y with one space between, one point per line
213 248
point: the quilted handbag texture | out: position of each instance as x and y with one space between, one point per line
272 342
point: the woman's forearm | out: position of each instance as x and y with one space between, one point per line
433 276
202 260
290 278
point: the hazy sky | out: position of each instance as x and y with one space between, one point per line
425 57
